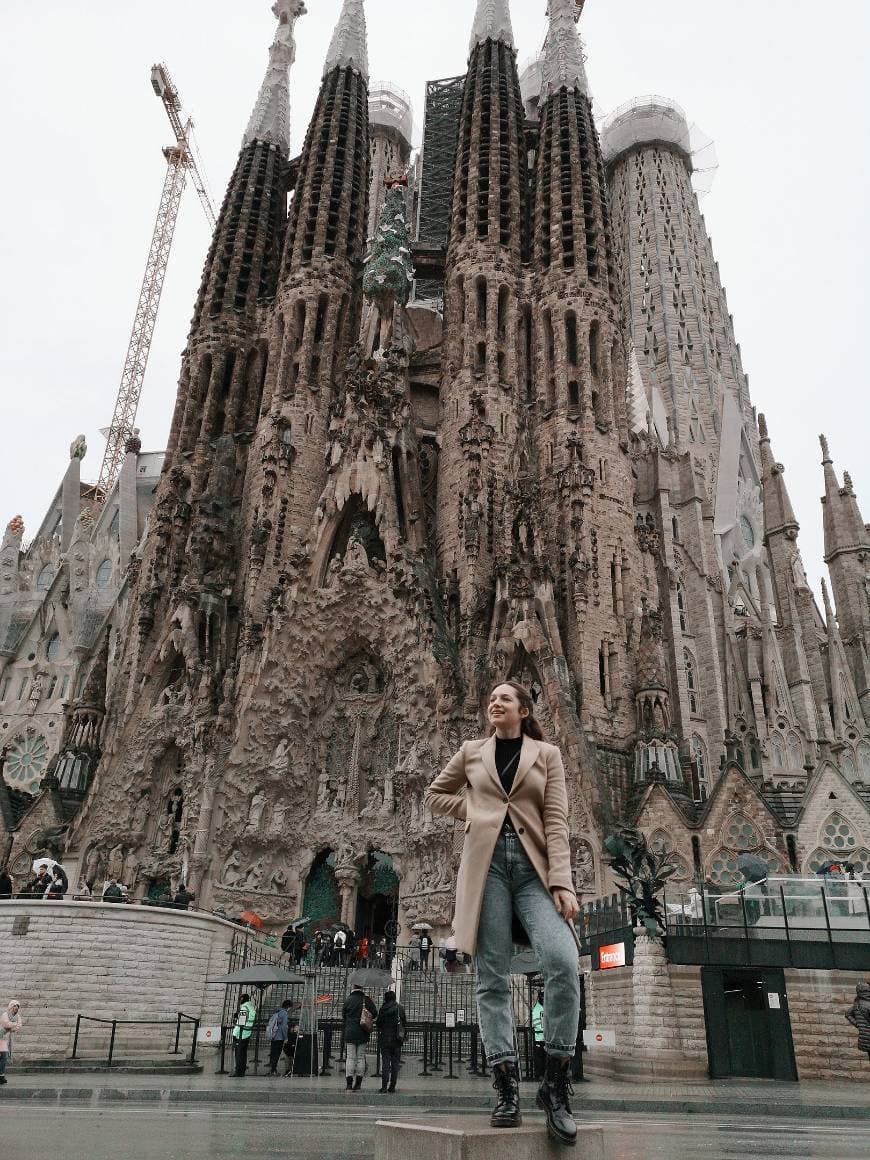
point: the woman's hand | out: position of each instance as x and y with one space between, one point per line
566 904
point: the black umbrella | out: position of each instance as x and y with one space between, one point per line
753 868
371 977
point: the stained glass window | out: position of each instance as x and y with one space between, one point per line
26 761
104 574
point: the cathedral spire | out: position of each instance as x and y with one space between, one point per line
492 21
270 120
564 63
349 45
778 511
845 530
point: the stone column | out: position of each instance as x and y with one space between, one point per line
656 1034
348 882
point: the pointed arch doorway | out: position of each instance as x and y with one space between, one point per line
377 900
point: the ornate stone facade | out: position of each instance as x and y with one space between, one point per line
371 510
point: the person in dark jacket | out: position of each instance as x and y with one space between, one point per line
6 885
392 1026
183 898
59 884
356 1036
859 1016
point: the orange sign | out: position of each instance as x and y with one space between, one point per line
612 955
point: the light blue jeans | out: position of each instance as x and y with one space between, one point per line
512 885
355 1060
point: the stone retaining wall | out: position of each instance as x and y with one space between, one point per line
107 960
826 1046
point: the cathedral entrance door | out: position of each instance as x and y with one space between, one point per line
377 897
321 901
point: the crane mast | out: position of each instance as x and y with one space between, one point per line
181 160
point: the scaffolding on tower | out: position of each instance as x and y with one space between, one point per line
182 159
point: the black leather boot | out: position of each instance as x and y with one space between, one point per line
357 1083
349 1081
553 1100
506 1081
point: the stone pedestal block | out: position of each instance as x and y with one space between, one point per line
461 1138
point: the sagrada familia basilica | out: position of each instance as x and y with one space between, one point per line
409 459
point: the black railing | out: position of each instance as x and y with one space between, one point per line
605 921
781 921
180 1019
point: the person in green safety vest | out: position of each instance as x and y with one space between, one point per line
245 1020
538 1033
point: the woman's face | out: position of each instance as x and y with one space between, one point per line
505 712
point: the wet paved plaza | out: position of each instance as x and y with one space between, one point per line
136 1132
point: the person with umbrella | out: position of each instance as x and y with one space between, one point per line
242 1032
40 883
509 790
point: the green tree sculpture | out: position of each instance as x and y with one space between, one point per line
389 273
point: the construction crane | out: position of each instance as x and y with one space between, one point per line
182 159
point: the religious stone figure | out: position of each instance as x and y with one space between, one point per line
584 867
280 763
231 875
140 814
255 814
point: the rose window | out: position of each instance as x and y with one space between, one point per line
742 834
26 762
723 870
837 834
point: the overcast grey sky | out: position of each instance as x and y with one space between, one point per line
781 85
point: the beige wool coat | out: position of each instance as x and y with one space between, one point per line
469 788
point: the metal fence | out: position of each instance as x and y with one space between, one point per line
782 921
443 1034
114 1024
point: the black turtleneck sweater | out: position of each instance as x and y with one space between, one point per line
507 758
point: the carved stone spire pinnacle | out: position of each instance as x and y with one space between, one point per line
564 63
270 120
492 21
349 45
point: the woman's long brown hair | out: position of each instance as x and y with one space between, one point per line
530 725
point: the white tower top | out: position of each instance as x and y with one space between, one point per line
563 62
492 22
349 46
270 120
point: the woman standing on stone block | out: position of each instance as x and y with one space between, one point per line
509 790
859 1016
10 1024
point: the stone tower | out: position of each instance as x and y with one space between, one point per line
681 332
177 625
391 124
579 372
847 554
484 281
